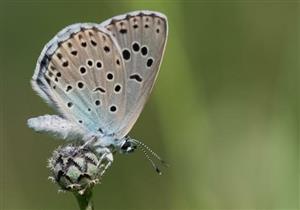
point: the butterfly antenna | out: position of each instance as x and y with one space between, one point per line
142 145
150 160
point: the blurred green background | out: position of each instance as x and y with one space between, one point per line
224 111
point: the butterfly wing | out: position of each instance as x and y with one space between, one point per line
80 72
142 38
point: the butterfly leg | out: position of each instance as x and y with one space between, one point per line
106 157
91 140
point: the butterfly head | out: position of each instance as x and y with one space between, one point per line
127 146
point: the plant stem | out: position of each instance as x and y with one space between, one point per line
85 200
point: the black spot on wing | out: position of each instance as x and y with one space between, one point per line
99 89
123 31
136 77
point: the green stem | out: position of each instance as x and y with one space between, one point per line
85 200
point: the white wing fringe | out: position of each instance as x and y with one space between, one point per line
56 126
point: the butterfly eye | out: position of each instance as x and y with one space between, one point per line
126 145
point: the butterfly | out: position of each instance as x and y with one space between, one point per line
98 77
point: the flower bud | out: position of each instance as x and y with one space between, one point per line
77 168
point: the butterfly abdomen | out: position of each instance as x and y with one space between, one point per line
56 126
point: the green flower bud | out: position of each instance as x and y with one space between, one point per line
77 168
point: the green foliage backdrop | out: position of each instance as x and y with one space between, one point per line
224 111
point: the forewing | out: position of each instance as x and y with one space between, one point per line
80 73
142 38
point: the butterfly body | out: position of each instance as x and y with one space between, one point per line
64 129
98 77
